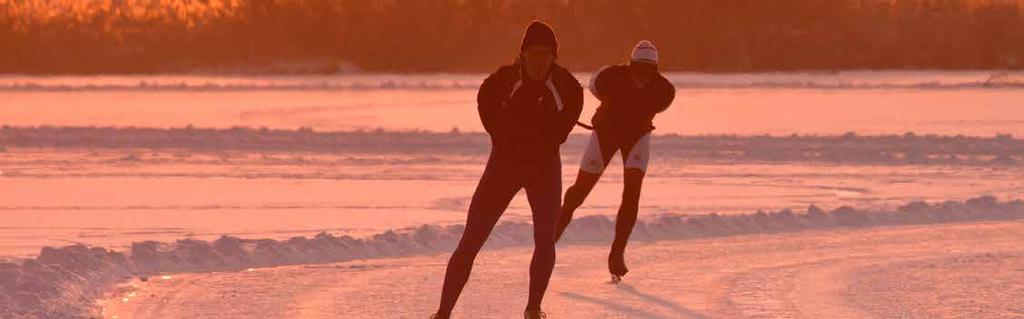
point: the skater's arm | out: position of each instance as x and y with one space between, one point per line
489 104
666 94
571 112
599 83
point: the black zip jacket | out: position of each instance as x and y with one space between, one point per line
527 119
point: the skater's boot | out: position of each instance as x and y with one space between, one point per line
617 265
439 316
534 314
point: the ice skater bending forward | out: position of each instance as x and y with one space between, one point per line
631 95
528 108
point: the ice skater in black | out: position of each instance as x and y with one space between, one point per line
631 95
528 108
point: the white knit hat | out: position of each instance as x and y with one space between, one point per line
645 51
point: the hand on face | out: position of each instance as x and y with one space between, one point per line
537 61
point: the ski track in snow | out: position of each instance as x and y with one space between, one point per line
962 270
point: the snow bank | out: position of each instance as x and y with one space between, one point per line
908 148
60 282
64 282
674 227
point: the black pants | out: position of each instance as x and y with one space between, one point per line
501 180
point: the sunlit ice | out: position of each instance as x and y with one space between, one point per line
581 159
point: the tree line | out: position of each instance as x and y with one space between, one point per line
145 36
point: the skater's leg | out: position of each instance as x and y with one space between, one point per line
574 197
625 220
635 159
596 157
544 193
497 187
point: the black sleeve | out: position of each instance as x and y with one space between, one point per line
572 108
665 96
489 105
600 85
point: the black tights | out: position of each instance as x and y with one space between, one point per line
501 180
585 181
624 221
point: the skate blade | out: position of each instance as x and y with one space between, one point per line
615 279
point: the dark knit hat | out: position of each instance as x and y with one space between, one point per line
539 33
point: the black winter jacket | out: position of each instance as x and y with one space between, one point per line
627 111
526 119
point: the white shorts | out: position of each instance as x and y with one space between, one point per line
595 159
